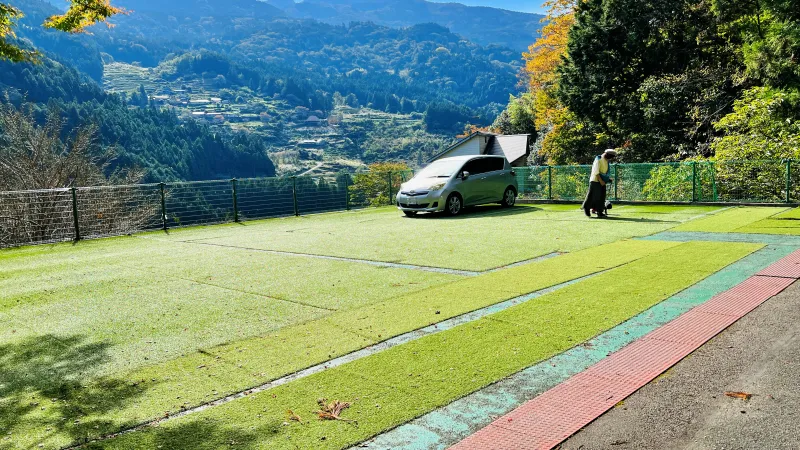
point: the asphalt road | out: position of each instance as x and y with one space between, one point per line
686 408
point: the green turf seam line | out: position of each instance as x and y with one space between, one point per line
465 273
241 291
731 219
371 350
527 261
443 270
710 213
687 236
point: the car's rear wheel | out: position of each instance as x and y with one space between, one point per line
454 205
509 197
410 213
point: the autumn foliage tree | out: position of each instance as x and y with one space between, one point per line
80 15
561 137
544 56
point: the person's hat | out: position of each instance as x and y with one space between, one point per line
610 152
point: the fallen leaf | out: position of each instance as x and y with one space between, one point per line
332 410
739 395
293 416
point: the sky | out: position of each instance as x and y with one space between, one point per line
533 6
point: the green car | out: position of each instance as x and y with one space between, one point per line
450 184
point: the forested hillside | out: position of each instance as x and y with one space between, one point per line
425 62
147 138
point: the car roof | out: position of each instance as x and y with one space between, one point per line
468 157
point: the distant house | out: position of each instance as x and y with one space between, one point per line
515 148
312 143
315 121
300 113
159 99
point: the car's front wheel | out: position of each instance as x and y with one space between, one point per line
509 197
454 205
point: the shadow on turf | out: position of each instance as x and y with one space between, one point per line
44 383
478 211
193 435
639 220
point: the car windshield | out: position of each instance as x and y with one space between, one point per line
441 169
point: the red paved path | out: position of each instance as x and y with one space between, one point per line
550 418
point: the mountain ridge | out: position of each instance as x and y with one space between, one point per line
481 24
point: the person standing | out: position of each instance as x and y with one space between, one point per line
596 198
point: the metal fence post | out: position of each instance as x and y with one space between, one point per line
75 214
616 182
714 179
694 181
294 196
788 181
235 201
163 207
391 202
549 182
347 192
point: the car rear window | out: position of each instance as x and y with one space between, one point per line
496 164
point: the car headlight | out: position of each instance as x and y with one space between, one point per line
436 187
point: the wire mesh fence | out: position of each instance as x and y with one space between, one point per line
40 216
694 181
46 216
117 210
198 203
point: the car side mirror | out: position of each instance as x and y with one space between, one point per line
464 175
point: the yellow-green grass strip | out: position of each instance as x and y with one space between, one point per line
772 226
397 385
730 221
197 378
792 214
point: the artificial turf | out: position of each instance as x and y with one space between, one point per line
90 324
117 331
730 221
153 301
482 239
792 214
200 377
394 386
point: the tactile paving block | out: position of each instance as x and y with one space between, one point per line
553 416
788 267
642 360
694 327
495 437
747 296
549 419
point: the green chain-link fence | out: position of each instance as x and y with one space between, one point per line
42 216
694 181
